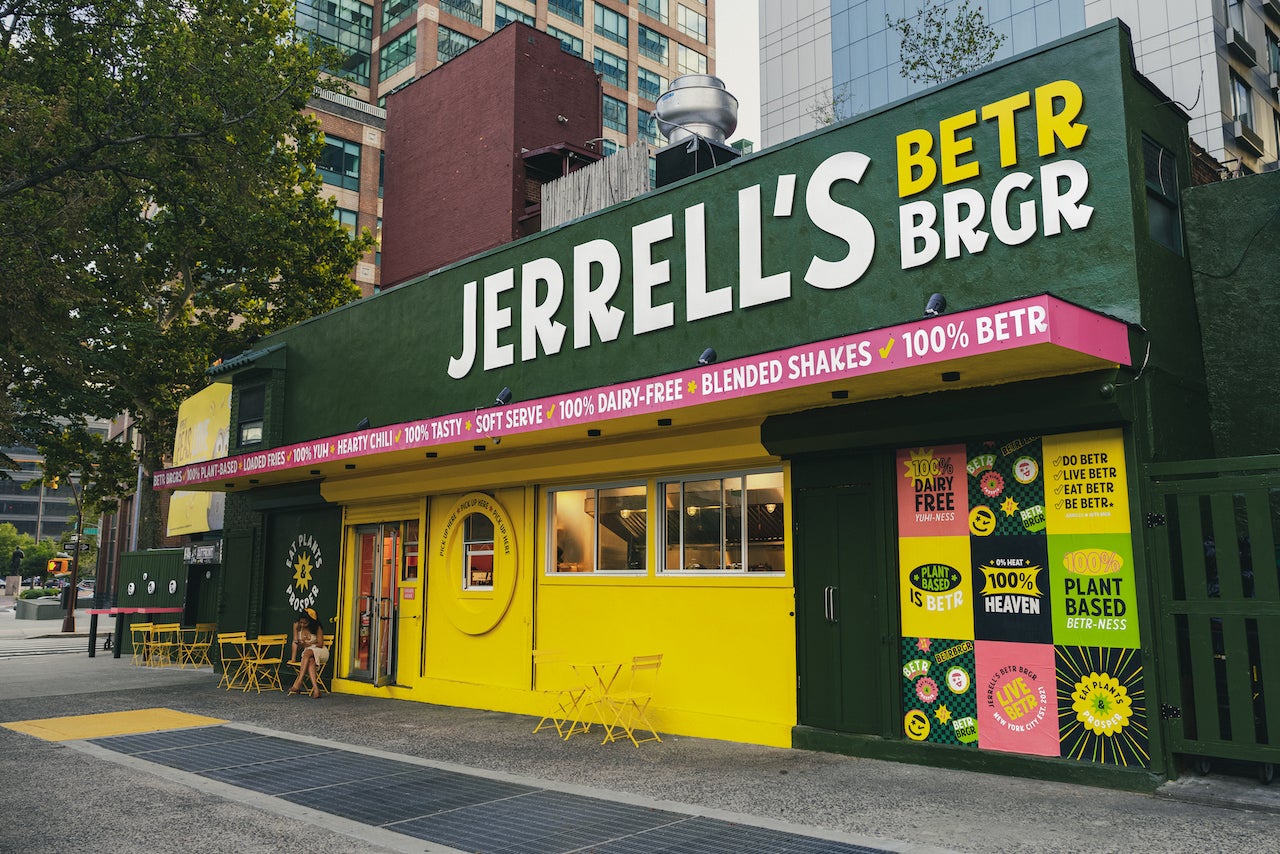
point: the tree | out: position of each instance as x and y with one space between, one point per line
831 106
159 206
944 41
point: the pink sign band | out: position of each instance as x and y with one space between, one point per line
1008 326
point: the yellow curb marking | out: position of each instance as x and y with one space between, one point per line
109 723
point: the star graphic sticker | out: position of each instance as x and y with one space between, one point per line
942 714
302 572
1009 506
693 386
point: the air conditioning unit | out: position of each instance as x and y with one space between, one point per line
1240 48
1273 166
1246 136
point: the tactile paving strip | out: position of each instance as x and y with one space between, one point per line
464 811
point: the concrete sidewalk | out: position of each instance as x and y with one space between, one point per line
88 801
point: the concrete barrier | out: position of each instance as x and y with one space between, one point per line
45 608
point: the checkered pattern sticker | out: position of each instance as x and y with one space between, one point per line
1008 479
938 699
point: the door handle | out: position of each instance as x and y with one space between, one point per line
835 618
828 604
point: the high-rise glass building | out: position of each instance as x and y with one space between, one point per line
637 47
1218 59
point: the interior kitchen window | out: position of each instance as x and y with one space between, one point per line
724 523
598 529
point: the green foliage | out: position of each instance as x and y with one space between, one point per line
944 41
37 592
36 555
832 106
159 207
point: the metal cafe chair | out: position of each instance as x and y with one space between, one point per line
563 692
193 645
139 637
628 708
266 654
232 652
163 644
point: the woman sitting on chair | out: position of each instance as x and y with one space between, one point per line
308 638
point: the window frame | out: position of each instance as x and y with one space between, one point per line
644 35
399 56
441 56
511 15
565 9
348 178
550 560
607 22
603 68
471 11
1164 198
569 43
698 29
660 527
656 9
252 417
1241 96
643 86
684 68
605 113
468 542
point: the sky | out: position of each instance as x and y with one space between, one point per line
738 61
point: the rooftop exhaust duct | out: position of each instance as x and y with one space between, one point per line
696 115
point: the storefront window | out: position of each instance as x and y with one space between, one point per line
735 523
601 529
477 552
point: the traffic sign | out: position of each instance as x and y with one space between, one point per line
84 547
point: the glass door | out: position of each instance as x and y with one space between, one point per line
373 653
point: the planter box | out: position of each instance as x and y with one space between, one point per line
39 609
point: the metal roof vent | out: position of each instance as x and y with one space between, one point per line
697 105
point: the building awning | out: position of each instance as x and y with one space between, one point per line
254 358
1030 338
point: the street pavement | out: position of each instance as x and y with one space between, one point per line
73 796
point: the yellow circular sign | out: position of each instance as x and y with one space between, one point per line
480 609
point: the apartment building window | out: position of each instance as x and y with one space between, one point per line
1273 50
598 529
451 44
1241 101
398 53
1235 15
377 255
395 11
654 44
340 163
569 43
615 114
344 24
647 127
692 23
610 24
656 9
382 171
609 146
612 68
734 523
504 14
570 10
1160 169
650 86
348 219
464 10
689 61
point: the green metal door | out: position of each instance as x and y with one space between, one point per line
841 606
1212 537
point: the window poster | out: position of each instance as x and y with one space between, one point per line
1017 598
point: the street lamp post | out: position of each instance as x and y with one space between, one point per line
69 619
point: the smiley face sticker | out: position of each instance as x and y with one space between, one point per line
916 725
982 521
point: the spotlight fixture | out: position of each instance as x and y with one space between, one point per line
503 398
708 357
497 440
362 424
936 305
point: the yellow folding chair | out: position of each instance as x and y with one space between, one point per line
139 636
232 652
163 644
194 643
558 682
628 708
266 654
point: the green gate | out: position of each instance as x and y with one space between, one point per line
1212 531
